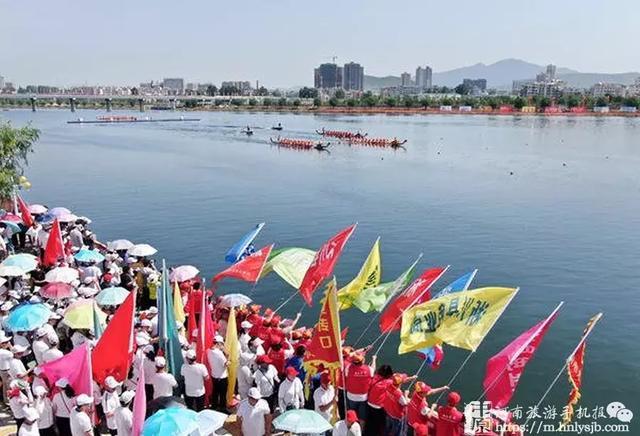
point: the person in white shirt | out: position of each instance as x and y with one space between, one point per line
5 363
266 379
194 374
254 415
40 345
30 425
290 392
325 397
245 373
218 363
78 338
50 327
75 236
149 369
110 402
18 399
80 421
91 271
37 380
16 367
124 416
245 337
62 404
163 382
348 426
42 404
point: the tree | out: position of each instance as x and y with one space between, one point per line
266 102
16 144
252 102
212 90
262 91
390 102
282 101
308 92
339 93
519 103
296 102
333 101
317 102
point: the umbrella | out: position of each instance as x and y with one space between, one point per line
119 244
164 403
56 290
45 218
57 212
11 217
61 274
302 421
27 317
67 218
183 273
80 315
86 255
209 421
174 421
15 228
11 271
37 209
27 262
142 250
112 296
234 300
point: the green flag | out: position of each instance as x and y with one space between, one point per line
375 298
290 264
98 328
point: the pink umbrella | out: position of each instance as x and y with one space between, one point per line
59 211
11 217
56 290
37 208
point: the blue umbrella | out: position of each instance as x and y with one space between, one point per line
27 262
112 296
302 421
27 317
174 421
85 255
45 218
15 228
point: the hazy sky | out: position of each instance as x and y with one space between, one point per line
279 42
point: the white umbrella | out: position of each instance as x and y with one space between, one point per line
11 271
234 300
209 421
142 250
37 209
67 218
62 274
183 273
119 244
59 211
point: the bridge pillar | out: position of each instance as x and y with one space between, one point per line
107 102
33 104
141 104
72 104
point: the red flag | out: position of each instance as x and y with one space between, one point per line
249 268
113 353
323 263
416 293
204 341
55 248
27 219
75 366
505 368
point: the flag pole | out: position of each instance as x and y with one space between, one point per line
450 382
566 362
495 380
334 299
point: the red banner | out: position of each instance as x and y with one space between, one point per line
249 268
27 219
505 368
325 347
416 293
54 250
323 263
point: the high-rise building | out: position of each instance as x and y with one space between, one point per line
174 86
551 72
353 77
474 86
1 82
424 77
405 80
327 76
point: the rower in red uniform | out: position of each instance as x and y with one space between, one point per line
450 419
358 378
395 403
375 401
418 409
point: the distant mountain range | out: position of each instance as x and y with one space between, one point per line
501 74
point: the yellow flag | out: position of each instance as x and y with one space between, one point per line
232 346
368 277
178 308
460 319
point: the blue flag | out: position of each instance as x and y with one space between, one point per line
244 246
167 330
458 285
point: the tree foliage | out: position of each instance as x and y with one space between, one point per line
15 146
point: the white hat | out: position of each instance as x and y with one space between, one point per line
153 309
17 349
39 390
111 382
83 400
62 383
18 383
254 393
257 342
56 315
145 323
53 338
246 325
35 299
141 340
6 306
127 396
147 349
30 414
41 332
219 339
160 362
191 354
3 337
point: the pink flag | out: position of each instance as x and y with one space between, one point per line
505 368
139 404
75 367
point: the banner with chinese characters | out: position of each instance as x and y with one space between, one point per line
461 319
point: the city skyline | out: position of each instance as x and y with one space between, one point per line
125 43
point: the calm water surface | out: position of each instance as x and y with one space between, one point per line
559 232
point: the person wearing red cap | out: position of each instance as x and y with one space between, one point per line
376 417
358 377
418 410
450 419
395 403
350 426
324 398
290 392
278 354
266 379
